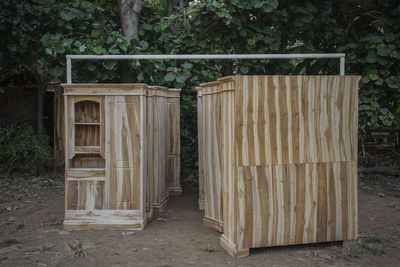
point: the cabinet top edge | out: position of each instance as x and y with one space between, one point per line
233 78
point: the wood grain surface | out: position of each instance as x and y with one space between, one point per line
287 157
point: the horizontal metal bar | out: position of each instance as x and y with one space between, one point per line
216 56
207 56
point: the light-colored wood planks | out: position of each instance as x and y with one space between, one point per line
296 204
124 119
295 119
173 141
85 194
287 158
200 147
157 154
211 120
120 140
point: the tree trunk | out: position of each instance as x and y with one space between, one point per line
182 8
170 10
129 11
170 7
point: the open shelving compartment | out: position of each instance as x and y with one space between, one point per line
87 126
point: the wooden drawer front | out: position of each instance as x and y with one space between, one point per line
85 174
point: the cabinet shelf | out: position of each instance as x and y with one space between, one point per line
87 123
87 149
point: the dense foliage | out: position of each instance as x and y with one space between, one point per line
22 150
40 33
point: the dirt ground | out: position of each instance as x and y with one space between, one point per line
31 233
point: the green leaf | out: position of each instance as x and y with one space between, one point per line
371 57
181 78
57 71
49 51
169 77
99 50
251 42
147 27
109 64
187 65
82 48
144 44
123 46
59 48
202 43
66 15
390 37
384 51
244 69
393 82
373 77
113 51
77 43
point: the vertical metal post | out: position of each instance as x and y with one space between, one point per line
342 64
69 75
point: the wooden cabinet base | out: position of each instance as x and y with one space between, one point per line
162 205
231 248
68 225
105 222
213 224
349 243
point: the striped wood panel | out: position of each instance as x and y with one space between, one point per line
173 143
124 126
85 194
212 122
158 161
108 170
295 119
200 147
288 159
296 204
150 148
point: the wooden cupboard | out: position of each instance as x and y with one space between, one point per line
115 154
280 159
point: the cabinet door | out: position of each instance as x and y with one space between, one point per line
124 143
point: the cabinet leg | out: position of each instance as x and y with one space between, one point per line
231 249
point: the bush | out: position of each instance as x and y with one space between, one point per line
22 150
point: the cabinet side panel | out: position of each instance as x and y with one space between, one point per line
212 152
295 119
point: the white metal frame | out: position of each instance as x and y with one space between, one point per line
341 56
